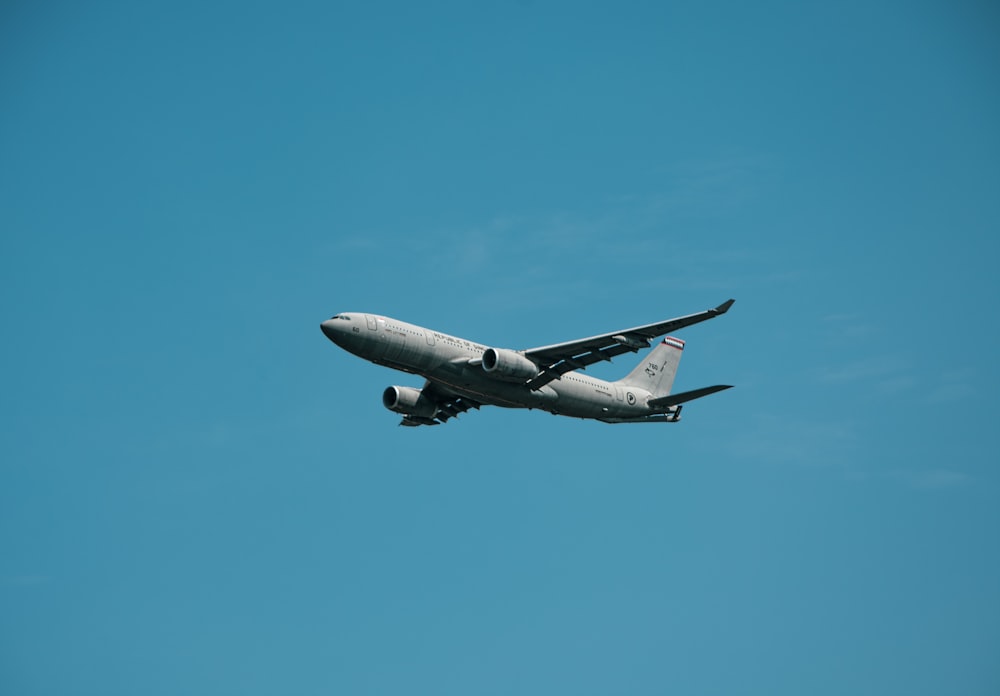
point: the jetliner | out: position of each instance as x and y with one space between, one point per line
462 374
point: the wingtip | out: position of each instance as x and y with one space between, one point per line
724 307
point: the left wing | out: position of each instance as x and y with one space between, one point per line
449 406
556 360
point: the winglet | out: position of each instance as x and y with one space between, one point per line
724 307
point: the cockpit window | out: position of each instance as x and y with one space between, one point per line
341 316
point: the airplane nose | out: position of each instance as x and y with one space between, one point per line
329 328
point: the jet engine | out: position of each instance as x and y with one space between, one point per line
508 365
408 401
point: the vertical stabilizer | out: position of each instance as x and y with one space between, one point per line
656 373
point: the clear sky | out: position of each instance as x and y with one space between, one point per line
200 494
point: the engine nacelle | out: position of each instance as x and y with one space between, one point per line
508 365
408 401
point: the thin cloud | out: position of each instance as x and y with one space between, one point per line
936 478
951 386
850 327
877 368
26 580
922 479
631 240
357 242
772 438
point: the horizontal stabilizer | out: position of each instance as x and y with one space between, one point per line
683 397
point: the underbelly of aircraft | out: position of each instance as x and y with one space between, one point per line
565 398
497 393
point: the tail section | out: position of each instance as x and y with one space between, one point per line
656 373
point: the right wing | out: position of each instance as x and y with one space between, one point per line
560 358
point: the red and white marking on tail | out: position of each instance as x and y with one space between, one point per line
674 342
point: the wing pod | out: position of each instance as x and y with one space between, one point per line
632 342
508 365
409 402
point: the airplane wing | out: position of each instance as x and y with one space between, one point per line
556 360
449 406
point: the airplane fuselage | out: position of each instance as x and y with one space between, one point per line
456 363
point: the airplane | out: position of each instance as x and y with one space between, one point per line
462 375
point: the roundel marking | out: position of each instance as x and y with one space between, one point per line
630 397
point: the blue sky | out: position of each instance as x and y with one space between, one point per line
200 494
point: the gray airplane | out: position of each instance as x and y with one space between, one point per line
462 374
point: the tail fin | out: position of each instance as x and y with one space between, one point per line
656 373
